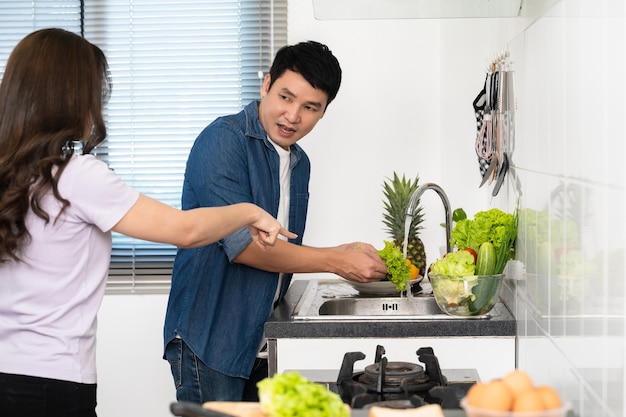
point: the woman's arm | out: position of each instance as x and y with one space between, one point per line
149 219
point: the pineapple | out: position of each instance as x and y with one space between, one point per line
398 194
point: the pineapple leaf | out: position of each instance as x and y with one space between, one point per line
397 193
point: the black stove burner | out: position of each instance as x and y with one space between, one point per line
396 370
387 377
396 384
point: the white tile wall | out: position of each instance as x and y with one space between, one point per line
570 158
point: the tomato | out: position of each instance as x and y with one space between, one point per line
473 252
560 251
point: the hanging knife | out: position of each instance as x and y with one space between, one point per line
501 175
489 173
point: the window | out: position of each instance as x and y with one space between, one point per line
176 66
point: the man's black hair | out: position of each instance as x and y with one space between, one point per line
314 61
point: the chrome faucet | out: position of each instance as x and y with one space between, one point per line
413 205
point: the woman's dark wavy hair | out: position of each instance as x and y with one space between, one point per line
314 61
53 90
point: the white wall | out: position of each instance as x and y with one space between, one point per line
405 105
571 137
133 380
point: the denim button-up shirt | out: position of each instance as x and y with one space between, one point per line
219 308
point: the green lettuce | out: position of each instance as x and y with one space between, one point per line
451 286
493 226
292 395
455 290
458 264
398 271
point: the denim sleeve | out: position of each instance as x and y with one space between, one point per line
236 242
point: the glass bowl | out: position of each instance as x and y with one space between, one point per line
480 412
472 295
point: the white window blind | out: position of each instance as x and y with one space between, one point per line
19 18
175 67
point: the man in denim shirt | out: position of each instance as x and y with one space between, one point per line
223 294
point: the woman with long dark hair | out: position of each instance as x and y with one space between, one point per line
57 211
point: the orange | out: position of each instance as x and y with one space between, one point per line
414 270
529 400
518 381
494 395
551 399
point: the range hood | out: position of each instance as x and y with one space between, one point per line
427 9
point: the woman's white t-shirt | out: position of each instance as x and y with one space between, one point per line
49 302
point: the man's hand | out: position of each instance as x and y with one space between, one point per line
360 262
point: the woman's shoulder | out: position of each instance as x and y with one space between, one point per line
87 171
88 161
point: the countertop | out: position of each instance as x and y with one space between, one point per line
282 324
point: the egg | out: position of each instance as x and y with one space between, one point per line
527 401
494 395
518 381
551 399
476 394
515 392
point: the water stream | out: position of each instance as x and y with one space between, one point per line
405 244
407 226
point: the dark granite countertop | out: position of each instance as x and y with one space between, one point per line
282 324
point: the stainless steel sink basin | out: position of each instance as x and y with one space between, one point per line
332 300
422 306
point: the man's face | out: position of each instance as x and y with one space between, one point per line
291 108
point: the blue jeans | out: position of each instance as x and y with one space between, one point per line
28 396
197 383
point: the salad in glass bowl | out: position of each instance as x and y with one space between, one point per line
467 280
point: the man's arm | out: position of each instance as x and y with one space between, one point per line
357 261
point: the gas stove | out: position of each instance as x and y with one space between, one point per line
397 385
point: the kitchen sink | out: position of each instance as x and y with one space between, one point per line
333 300
387 306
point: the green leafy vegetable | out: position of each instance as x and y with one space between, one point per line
398 271
292 395
447 277
458 214
457 264
455 290
493 226
541 236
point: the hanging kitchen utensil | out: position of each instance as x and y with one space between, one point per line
505 111
484 138
490 173
494 121
501 174
495 88
489 138
479 105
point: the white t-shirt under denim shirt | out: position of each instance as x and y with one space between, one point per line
282 216
49 302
